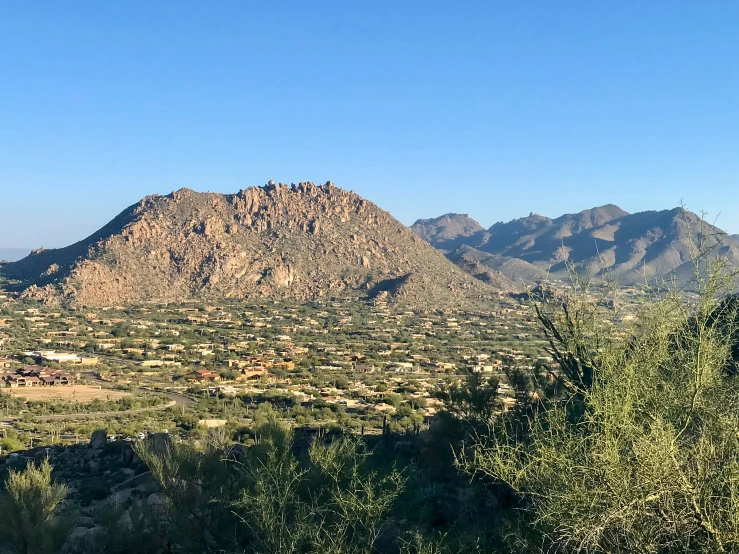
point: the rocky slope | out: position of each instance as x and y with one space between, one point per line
296 242
517 273
631 247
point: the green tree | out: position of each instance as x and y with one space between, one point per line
474 399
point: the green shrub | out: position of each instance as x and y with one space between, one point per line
642 455
29 504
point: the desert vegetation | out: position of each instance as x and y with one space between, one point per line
624 440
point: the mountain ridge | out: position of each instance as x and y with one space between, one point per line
632 247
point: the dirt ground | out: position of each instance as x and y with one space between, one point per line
81 393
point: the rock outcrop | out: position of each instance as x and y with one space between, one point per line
293 242
98 439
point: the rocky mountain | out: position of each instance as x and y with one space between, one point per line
650 244
297 242
485 272
447 231
515 271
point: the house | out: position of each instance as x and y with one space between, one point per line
28 370
33 375
140 351
62 357
158 363
202 375
24 381
15 380
54 379
253 374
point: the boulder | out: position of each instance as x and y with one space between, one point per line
157 505
128 456
234 452
40 456
99 439
160 442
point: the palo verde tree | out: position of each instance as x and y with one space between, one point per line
650 463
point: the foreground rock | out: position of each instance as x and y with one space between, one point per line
93 472
99 439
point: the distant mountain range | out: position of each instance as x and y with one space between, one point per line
447 231
303 242
280 242
631 247
13 254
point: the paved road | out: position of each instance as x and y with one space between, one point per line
179 399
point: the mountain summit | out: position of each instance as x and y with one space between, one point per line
447 231
632 247
297 242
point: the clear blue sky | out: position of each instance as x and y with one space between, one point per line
491 108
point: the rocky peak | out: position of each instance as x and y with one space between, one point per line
298 241
446 231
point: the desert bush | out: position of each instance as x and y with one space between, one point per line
265 499
29 505
649 462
